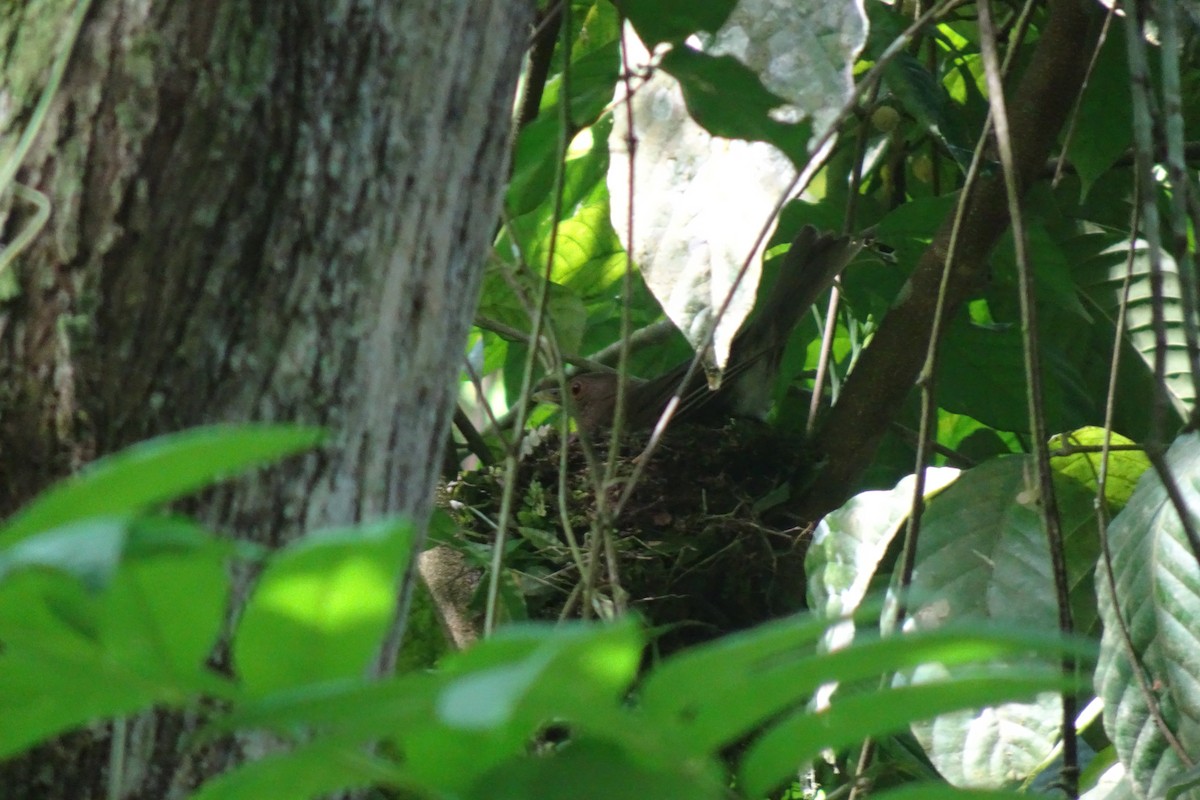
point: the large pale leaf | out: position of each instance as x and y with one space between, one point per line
1156 598
700 201
1112 784
850 720
981 548
849 543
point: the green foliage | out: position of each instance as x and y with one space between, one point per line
1149 611
898 167
728 100
157 472
674 20
110 605
105 616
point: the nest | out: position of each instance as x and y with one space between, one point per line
701 547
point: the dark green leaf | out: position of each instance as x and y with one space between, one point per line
599 770
925 98
727 98
1102 125
674 20
982 374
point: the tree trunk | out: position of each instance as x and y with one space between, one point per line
260 212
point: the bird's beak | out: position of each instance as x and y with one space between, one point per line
548 392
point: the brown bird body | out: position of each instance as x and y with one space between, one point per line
809 268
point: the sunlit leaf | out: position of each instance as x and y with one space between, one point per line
1125 467
320 608
159 471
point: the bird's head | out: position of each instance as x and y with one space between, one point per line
591 398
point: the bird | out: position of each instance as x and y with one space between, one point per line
810 266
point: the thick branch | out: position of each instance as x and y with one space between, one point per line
890 366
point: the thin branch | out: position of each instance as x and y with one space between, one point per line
474 441
1143 138
539 316
1061 162
541 53
1051 521
516 335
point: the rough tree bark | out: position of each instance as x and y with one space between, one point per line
261 211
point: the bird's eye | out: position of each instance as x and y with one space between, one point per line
576 388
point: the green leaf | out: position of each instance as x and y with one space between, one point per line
106 617
163 612
43 697
159 471
600 770
716 694
1156 600
89 550
1185 783
982 545
925 98
1100 268
321 607
1053 281
593 76
777 753
313 770
674 20
728 100
1125 467
582 667
982 374
533 172
684 680
1102 130
501 693
480 710
49 614
152 591
849 543
348 711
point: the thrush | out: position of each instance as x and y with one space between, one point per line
809 268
